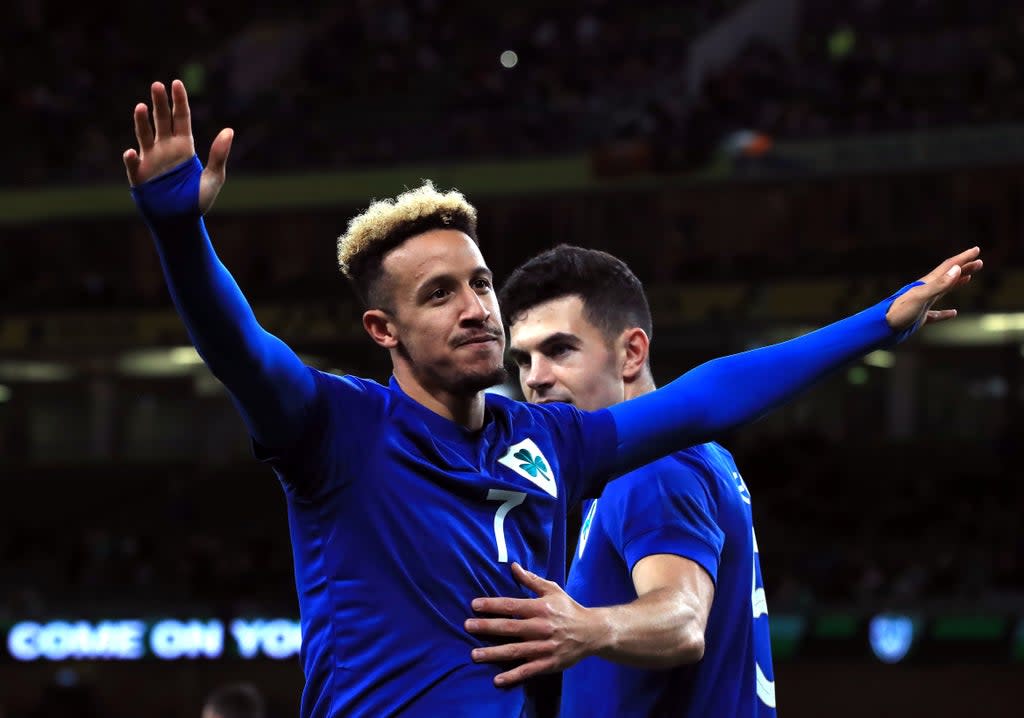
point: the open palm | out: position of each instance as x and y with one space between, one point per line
913 308
167 142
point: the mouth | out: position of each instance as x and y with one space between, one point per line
482 339
553 400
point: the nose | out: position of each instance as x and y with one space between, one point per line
475 308
538 377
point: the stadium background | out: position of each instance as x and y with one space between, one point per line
764 166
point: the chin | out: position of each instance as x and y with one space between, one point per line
476 380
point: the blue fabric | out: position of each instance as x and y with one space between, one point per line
723 393
267 381
394 526
692 504
398 517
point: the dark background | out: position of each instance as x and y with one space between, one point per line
764 167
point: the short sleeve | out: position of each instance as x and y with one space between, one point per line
345 414
666 508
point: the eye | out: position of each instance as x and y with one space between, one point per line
439 293
558 350
523 362
482 284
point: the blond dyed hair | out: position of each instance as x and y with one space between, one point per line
387 223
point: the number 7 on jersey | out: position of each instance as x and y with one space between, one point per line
510 500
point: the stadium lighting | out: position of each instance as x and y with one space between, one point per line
881 359
169 362
33 371
1009 322
857 375
891 637
184 356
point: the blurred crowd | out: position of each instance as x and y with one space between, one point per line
891 526
839 526
333 85
337 85
869 66
115 547
716 232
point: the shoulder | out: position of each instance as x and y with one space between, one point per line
347 383
550 416
692 470
350 395
710 458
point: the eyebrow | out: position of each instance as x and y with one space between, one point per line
547 343
449 278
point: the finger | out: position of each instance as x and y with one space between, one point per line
143 130
219 151
161 110
939 315
525 671
533 582
508 627
526 650
959 260
131 165
181 115
505 606
540 586
941 284
972 267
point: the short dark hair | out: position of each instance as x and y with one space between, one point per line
237 700
613 297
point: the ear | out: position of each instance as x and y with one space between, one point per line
635 345
379 325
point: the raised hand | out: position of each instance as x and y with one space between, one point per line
553 632
914 307
167 142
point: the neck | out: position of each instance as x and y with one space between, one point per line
643 384
466 411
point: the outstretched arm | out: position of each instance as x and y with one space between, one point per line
268 382
727 392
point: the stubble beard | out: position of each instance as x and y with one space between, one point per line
452 381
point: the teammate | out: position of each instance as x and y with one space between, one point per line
235 700
667 557
405 500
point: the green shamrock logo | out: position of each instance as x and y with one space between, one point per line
532 465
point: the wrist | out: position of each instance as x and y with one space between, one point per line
172 195
604 636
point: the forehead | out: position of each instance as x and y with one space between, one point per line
563 315
431 253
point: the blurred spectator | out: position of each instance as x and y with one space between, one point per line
236 700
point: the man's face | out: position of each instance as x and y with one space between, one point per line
445 312
563 357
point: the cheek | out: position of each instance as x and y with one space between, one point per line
599 390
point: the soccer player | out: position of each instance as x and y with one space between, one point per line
666 563
406 500
235 700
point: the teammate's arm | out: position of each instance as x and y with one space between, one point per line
727 392
663 627
268 382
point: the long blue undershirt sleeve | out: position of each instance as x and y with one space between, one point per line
272 388
724 393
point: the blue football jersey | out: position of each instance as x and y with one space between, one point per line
400 517
694 504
